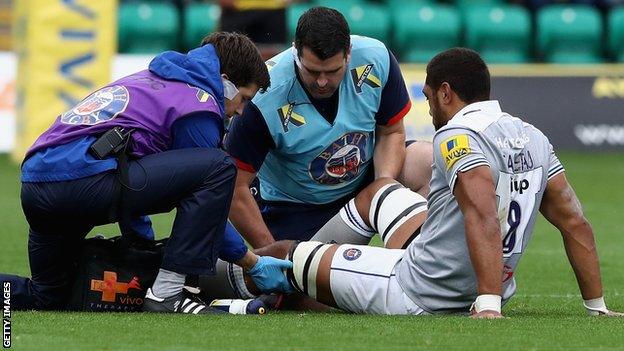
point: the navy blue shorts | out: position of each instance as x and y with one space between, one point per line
296 221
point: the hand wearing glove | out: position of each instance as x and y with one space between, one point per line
268 275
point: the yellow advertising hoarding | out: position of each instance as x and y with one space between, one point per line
417 122
64 48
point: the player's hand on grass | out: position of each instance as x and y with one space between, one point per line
597 307
607 313
486 314
486 306
613 314
268 275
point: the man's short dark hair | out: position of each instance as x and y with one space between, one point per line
464 70
324 31
240 59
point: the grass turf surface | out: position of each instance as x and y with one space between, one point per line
546 312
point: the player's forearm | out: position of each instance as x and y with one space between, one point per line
581 251
389 155
486 253
245 216
249 260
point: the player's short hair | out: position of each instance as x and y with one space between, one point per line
464 70
239 59
324 31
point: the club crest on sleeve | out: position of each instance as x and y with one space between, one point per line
351 254
101 106
454 149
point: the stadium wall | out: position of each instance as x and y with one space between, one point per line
578 107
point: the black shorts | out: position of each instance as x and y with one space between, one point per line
262 26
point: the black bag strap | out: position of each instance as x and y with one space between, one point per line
123 177
120 211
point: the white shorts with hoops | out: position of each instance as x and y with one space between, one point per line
363 280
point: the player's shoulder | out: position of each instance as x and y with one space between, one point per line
369 55
452 130
369 48
477 116
282 74
451 144
530 133
530 128
454 133
362 42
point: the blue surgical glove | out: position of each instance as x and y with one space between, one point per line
268 275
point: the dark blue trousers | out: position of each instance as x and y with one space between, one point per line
297 221
198 183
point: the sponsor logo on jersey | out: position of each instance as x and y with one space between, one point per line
101 106
288 116
454 149
351 254
519 186
340 162
362 75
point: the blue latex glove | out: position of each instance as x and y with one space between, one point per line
268 275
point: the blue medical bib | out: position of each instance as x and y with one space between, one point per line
314 161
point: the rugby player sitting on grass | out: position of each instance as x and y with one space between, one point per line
492 173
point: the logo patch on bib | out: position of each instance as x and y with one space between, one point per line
101 106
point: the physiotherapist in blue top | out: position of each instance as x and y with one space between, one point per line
331 122
176 110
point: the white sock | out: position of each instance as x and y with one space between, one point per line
346 227
168 283
352 218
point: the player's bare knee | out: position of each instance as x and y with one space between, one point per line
416 172
306 257
392 206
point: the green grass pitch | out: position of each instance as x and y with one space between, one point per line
546 313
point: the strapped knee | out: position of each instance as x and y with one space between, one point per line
393 205
306 257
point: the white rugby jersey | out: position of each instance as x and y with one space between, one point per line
436 271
